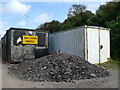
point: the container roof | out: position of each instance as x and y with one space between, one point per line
26 29
84 26
97 27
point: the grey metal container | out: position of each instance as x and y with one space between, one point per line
91 43
13 51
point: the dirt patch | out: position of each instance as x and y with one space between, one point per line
57 68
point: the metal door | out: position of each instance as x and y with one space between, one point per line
104 45
93 45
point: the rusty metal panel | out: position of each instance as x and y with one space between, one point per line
70 41
26 51
14 51
4 49
20 51
6 46
104 45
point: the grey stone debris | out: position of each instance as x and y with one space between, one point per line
92 74
57 67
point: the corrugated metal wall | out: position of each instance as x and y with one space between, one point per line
84 41
29 51
70 41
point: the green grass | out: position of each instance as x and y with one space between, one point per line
112 64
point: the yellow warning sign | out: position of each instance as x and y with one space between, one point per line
29 39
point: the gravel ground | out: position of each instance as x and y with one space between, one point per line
57 67
9 81
104 82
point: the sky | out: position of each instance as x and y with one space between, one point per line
31 13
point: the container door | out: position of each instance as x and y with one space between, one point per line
104 45
93 45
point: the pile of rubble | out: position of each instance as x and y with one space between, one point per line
57 68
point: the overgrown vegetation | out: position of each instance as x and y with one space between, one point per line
107 15
112 64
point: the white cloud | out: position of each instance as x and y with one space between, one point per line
93 11
14 6
42 18
22 23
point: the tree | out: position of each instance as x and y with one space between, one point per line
108 15
105 13
115 37
110 10
67 25
97 20
78 20
52 26
76 9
